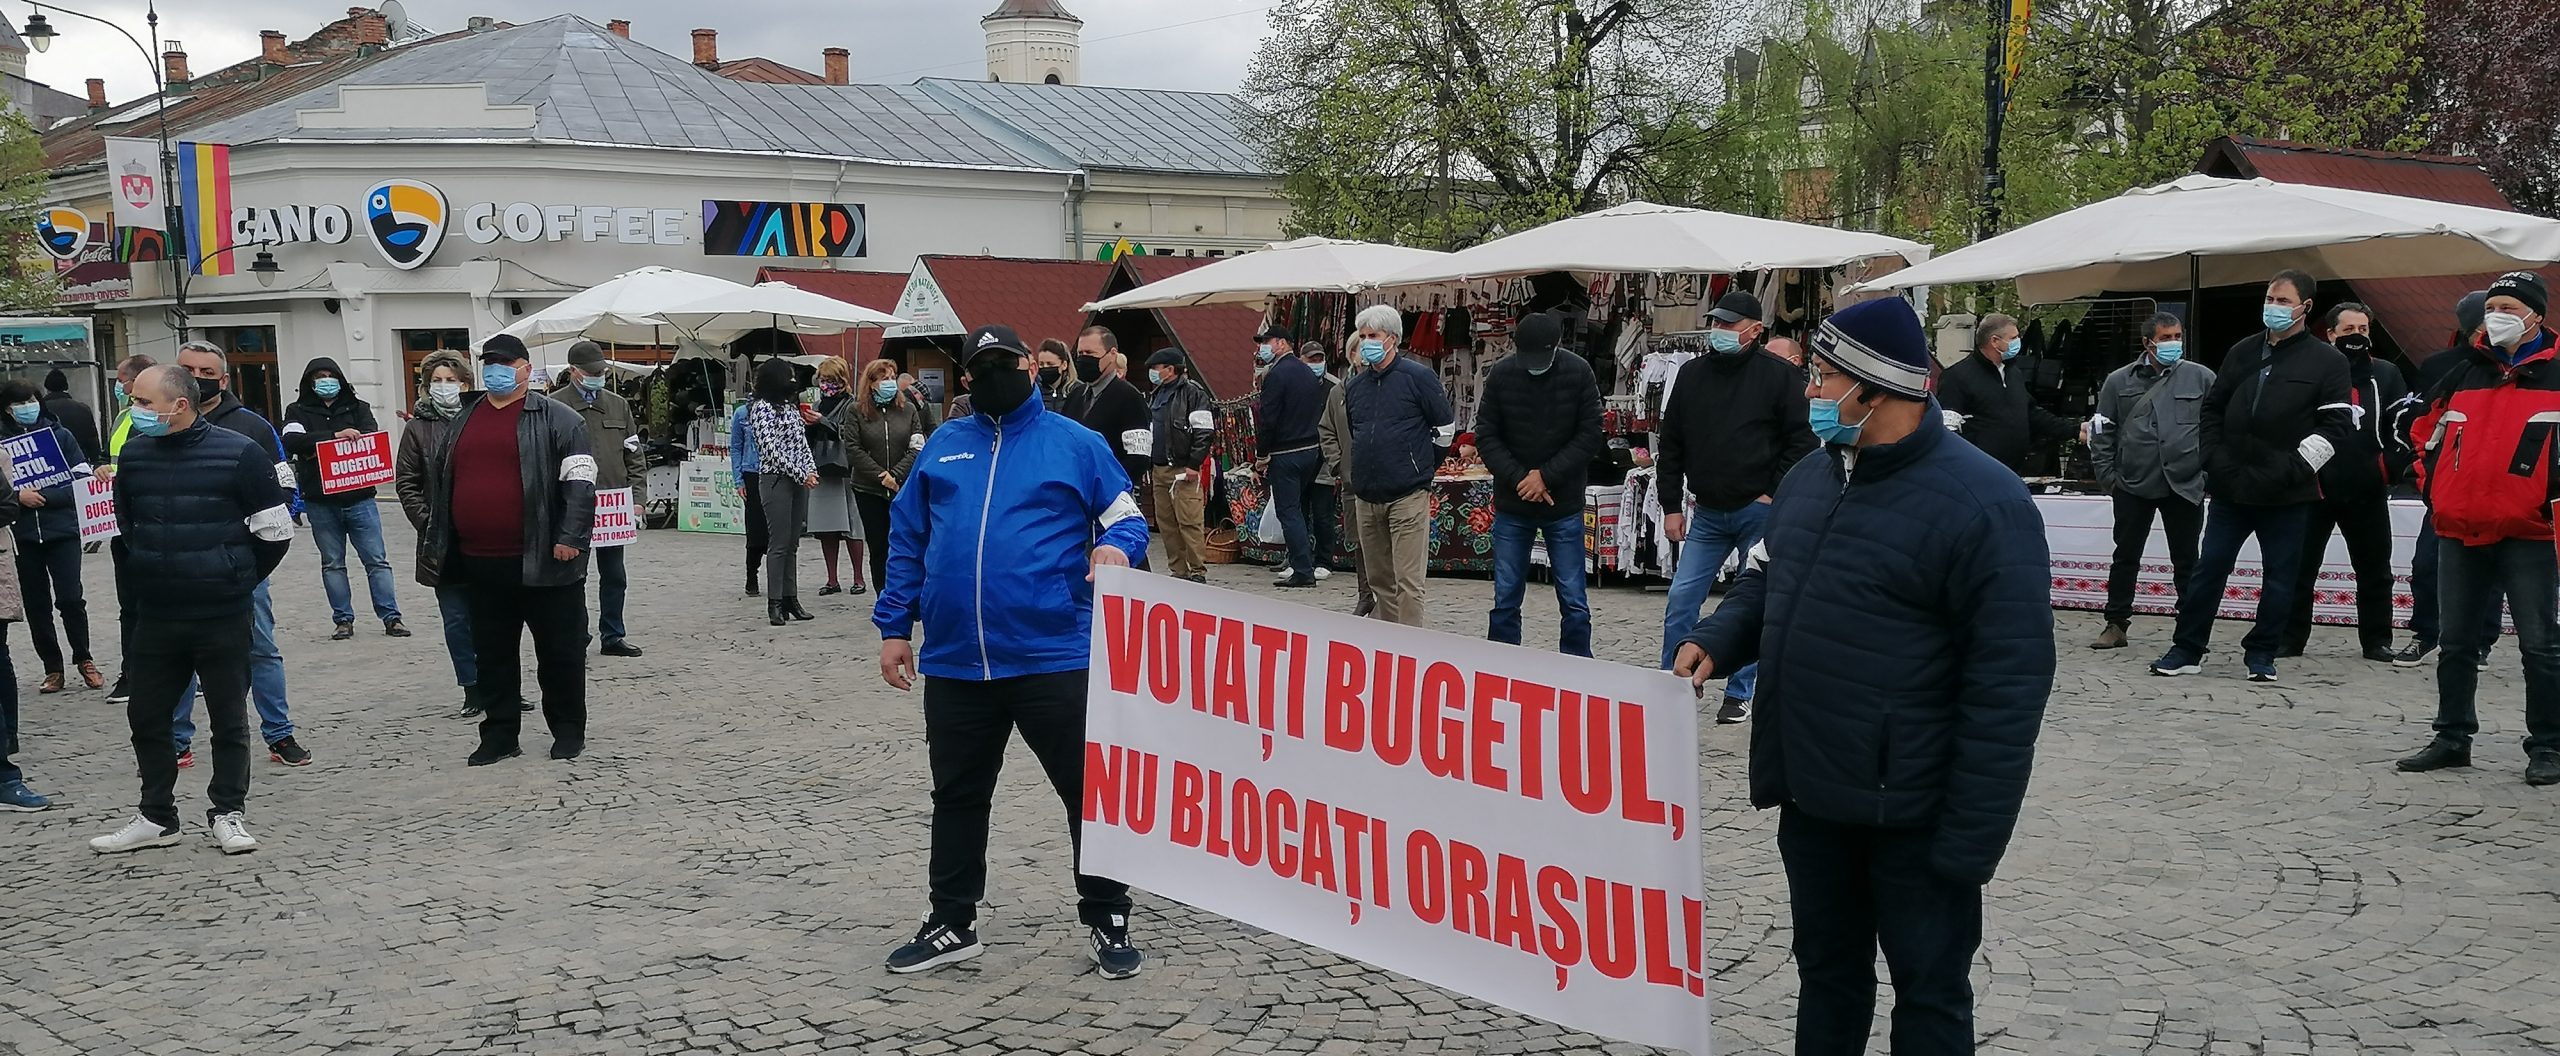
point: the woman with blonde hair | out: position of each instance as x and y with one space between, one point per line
886 430
831 514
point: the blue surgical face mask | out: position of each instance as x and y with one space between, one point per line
499 378
2011 352
149 423
327 388
26 413
2277 318
448 393
2168 353
1373 353
119 393
1264 355
591 382
1824 416
1724 341
885 391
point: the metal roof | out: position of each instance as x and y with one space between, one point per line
589 85
1128 129
1030 9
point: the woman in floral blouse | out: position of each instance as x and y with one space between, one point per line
780 426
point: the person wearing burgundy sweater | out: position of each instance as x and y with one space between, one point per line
511 493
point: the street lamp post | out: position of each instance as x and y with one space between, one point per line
39 35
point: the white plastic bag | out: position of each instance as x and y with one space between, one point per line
1269 531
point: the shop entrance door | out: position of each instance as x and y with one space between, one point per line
251 351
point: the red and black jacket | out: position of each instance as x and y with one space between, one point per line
2486 439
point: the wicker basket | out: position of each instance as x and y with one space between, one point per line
1220 545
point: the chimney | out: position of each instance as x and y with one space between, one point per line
271 48
621 27
480 24
706 47
839 66
173 64
97 93
371 30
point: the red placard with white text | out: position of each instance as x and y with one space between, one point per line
616 524
363 462
1508 823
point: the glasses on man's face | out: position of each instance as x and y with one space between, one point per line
1813 375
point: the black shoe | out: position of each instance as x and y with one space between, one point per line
1296 581
1113 957
2381 654
2289 652
618 647
1198 578
935 945
1368 604
487 754
2542 768
2437 756
568 747
523 705
791 607
395 628
773 613
857 589
751 588
288 752
829 589
119 694
471 705
2414 653
344 632
1735 710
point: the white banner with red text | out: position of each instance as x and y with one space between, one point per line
1514 825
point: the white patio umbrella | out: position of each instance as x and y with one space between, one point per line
623 309
1307 265
2200 231
1654 239
774 305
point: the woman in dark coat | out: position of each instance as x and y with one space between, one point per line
48 533
888 427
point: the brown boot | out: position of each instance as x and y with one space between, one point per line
2111 638
90 676
52 683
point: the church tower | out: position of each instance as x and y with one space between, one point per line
1032 42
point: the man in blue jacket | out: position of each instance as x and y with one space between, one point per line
1899 607
1011 507
1400 418
1285 417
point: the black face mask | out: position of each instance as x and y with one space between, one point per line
208 390
998 392
2357 346
1049 377
1088 369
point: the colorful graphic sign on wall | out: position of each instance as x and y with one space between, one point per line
95 274
406 219
137 245
783 229
64 232
1122 248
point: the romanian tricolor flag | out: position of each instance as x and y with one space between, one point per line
204 205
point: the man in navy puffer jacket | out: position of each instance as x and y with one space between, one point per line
1010 508
1899 607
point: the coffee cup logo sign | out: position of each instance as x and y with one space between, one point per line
407 220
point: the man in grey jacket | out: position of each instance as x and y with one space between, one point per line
613 437
2146 443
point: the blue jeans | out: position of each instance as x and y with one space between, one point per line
1293 488
333 526
1512 537
266 680
2280 531
613 584
1713 536
453 607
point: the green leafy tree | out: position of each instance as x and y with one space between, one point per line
1435 122
29 282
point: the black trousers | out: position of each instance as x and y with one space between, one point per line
2180 520
966 725
503 608
49 575
1853 888
874 511
2367 525
756 537
165 655
1324 513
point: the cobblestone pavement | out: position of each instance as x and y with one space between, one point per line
2204 867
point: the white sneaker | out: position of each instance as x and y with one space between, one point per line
137 834
1323 572
1280 573
231 833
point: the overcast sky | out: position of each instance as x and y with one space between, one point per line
1197 45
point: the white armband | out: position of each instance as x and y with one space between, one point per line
631 443
915 441
273 524
2098 424
284 476
1122 508
1203 420
1757 557
291 428
580 468
1139 442
2317 451
1445 435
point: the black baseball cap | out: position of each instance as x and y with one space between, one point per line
1534 341
1271 333
991 340
1736 307
504 348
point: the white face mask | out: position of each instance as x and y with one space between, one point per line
2504 329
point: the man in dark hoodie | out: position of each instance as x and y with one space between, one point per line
73 416
327 411
1538 427
2355 492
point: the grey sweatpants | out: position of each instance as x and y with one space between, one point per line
786 512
